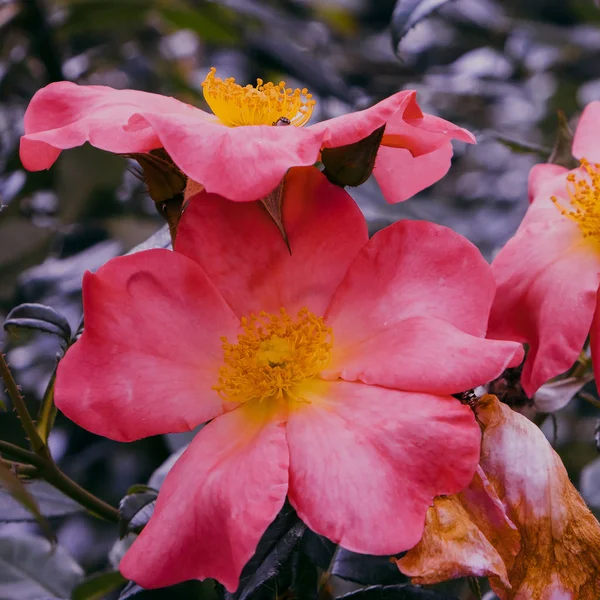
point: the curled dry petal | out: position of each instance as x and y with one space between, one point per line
539 542
560 538
465 534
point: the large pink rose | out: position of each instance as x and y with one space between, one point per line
548 274
237 152
326 375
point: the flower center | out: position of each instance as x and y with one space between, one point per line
584 193
265 104
273 356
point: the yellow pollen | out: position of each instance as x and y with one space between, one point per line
273 356
584 194
265 104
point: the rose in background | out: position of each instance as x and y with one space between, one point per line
548 274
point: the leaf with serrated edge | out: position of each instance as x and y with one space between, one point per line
265 552
270 567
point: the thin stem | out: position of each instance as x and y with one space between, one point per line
589 398
27 471
47 469
65 484
37 444
19 468
22 455
41 457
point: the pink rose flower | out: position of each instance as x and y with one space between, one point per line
548 274
236 152
325 374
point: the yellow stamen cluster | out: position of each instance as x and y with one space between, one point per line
273 356
584 194
265 104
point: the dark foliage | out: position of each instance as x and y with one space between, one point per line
501 68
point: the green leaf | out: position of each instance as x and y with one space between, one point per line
319 549
366 569
161 175
47 412
395 592
305 583
16 489
98 586
138 488
408 13
39 317
166 185
50 503
352 164
31 569
276 546
269 568
135 511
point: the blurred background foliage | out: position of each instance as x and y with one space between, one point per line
501 68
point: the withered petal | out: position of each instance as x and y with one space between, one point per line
560 538
467 534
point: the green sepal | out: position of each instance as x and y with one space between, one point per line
273 202
166 185
562 150
352 164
